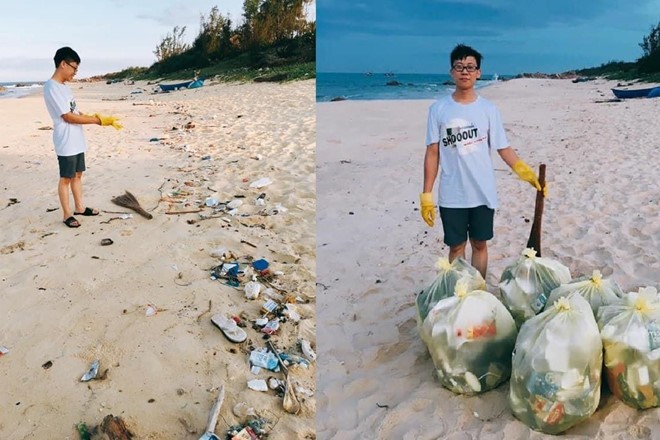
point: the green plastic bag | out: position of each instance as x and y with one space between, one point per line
470 336
596 290
444 284
526 284
556 369
630 330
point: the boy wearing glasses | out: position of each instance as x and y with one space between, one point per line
68 136
462 129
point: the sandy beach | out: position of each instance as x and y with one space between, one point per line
374 252
67 300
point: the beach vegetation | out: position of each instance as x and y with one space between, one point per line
273 40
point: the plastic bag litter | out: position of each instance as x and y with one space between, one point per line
470 336
444 284
596 290
556 369
526 284
630 330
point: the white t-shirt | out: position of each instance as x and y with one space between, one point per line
466 133
68 139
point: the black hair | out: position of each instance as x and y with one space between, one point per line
461 52
66 54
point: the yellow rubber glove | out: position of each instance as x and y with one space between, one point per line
109 120
528 175
428 208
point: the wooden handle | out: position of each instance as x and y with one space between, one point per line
534 241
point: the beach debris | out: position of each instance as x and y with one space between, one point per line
229 327
260 183
47 365
271 327
83 431
207 157
128 200
252 289
209 434
46 127
244 434
151 310
13 201
106 242
291 403
274 383
92 372
234 204
263 358
3 350
243 410
257 157
115 428
211 202
257 385
307 351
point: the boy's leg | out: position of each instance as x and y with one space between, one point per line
76 189
63 193
67 172
480 230
455 227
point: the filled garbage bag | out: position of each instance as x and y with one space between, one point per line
470 336
443 285
630 330
526 284
596 290
556 368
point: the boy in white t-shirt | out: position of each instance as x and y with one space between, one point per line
462 129
68 136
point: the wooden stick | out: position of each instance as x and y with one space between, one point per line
184 212
534 241
215 411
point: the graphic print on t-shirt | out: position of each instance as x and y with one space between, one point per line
462 135
72 106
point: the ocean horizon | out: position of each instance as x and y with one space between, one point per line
333 86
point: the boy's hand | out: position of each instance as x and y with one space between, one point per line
528 175
109 120
428 208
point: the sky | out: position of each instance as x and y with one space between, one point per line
514 36
109 35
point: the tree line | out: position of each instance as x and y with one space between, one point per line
271 33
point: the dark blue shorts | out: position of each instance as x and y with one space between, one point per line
70 165
460 223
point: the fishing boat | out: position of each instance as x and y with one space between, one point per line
636 93
193 84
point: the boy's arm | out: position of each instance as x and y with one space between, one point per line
430 166
73 118
523 170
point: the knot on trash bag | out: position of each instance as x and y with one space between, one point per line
529 253
443 264
461 288
596 278
562 304
644 301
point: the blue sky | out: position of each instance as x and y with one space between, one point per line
108 35
514 36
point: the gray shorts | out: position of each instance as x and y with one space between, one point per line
459 223
70 165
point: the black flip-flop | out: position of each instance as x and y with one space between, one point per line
70 222
88 212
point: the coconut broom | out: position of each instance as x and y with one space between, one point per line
129 201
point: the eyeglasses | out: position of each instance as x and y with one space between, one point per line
75 68
470 68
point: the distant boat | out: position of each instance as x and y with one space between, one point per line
637 93
182 85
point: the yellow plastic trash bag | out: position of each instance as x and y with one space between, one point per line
556 369
630 330
444 284
526 284
596 290
470 336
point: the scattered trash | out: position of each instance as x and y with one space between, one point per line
291 403
257 157
206 157
265 359
92 372
252 289
271 327
106 242
260 265
245 434
257 385
151 310
47 365
234 204
264 181
229 328
209 434
211 202
83 431
242 410
306 348
274 383
269 306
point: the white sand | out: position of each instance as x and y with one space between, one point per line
375 253
66 299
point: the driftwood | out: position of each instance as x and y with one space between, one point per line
115 428
534 241
129 201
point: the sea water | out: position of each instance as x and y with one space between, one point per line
370 86
18 89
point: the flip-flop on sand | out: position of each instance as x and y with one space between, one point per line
229 328
72 222
87 212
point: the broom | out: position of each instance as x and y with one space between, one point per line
129 201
